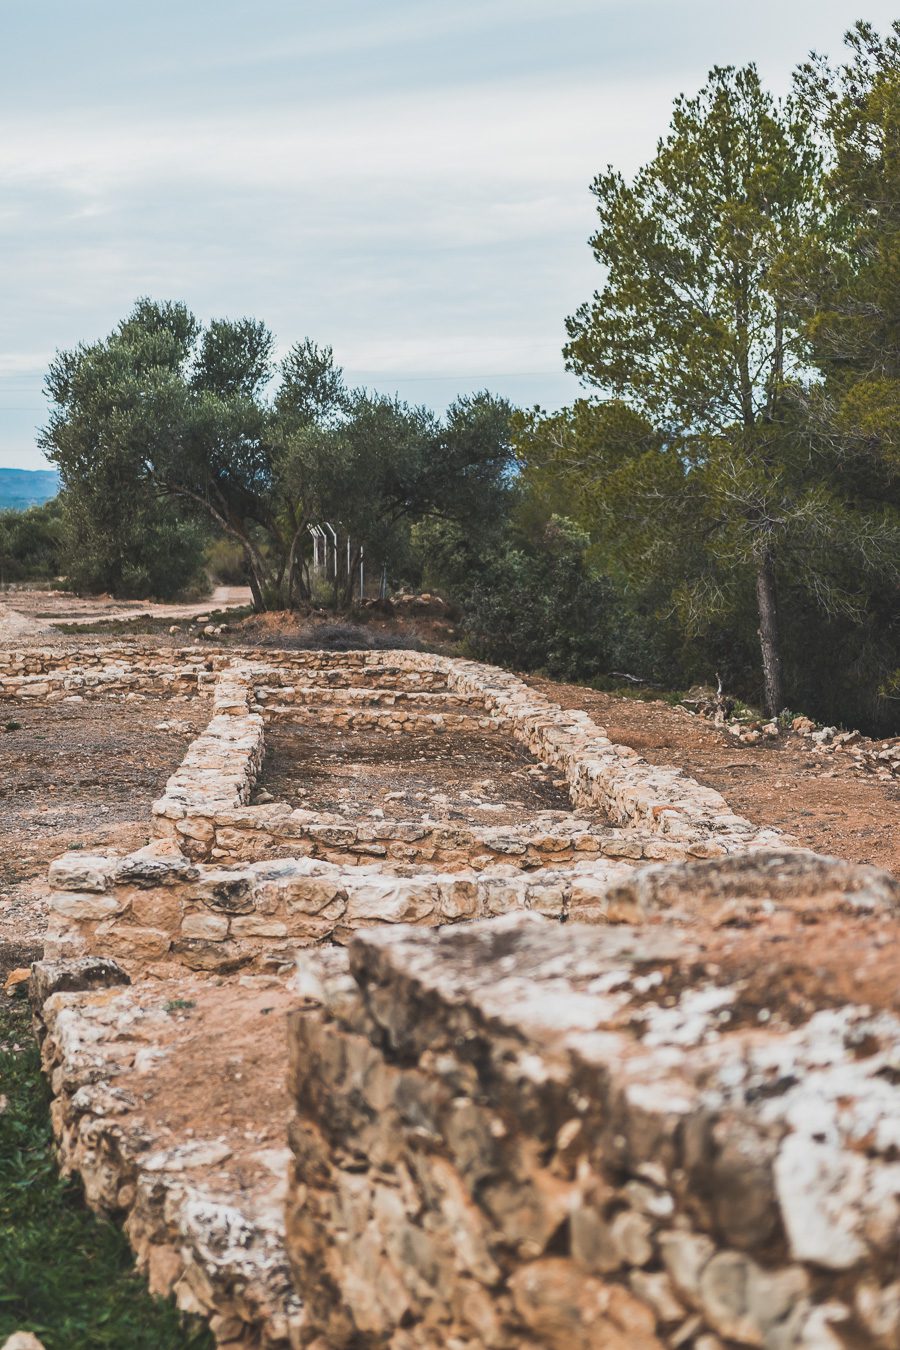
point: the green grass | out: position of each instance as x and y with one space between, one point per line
65 1275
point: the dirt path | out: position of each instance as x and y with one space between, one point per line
61 607
816 798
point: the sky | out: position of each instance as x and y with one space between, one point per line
405 180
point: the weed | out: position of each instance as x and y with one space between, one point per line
179 1004
65 1275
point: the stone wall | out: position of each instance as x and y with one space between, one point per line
203 1210
612 784
95 669
515 1134
47 675
332 876
506 1133
154 909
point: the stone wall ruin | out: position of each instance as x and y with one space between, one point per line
549 1081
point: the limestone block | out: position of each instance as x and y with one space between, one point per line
81 872
131 941
161 908
390 901
217 955
251 925
820 1189
85 905
211 927
567 1311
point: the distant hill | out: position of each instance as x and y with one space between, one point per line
20 488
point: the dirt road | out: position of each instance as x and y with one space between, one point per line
60 607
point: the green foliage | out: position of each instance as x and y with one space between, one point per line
707 475
130 545
31 543
691 327
165 409
725 502
67 1276
541 610
528 595
225 562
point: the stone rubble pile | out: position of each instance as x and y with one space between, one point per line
880 758
867 756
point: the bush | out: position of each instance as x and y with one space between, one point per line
152 553
540 609
31 543
340 637
226 562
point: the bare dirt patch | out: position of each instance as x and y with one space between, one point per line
820 800
787 965
222 1066
80 774
478 779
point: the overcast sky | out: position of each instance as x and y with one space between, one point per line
404 179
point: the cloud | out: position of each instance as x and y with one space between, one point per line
496 132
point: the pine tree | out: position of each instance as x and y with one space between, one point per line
698 459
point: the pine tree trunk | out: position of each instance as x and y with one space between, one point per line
769 643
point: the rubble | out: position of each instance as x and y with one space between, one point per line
867 756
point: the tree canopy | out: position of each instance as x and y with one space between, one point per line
167 410
701 461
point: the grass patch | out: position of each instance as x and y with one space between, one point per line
65 1275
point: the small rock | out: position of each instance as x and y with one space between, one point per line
656 1290
685 1255
22 1340
879 1310
16 981
631 1234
